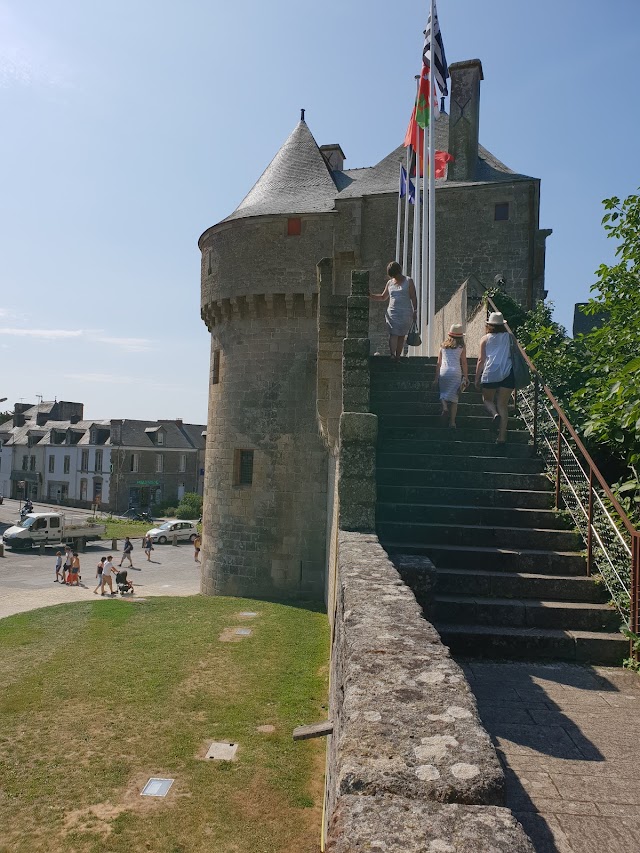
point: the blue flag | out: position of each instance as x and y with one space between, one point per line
403 186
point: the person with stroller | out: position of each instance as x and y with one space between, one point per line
107 571
123 582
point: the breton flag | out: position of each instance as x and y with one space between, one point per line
439 59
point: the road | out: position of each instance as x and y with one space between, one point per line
27 578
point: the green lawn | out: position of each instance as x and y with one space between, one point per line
99 696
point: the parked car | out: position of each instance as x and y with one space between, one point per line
184 530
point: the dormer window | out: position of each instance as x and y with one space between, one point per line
160 438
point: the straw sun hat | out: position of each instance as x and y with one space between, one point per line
456 331
496 319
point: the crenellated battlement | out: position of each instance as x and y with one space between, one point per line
258 306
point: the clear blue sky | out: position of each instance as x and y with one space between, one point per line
130 127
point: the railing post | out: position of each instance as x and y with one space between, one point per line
558 465
536 390
590 524
634 616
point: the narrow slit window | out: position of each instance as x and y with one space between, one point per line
501 211
215 367
294 227
244 467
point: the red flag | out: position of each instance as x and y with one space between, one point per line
442 158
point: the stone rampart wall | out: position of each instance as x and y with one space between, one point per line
410 766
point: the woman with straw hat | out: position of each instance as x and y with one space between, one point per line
452 372
494 373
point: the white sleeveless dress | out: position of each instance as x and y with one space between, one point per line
399 314
450 374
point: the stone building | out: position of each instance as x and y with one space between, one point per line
307 223
154 461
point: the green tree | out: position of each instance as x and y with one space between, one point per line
610 397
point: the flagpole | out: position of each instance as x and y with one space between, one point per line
397 254
432 193
426 234
405 246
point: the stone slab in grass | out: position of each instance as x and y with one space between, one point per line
384 824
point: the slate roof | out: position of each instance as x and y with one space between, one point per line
298 179
134 434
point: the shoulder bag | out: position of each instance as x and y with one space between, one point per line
521 373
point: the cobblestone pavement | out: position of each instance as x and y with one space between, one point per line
27 578
567 736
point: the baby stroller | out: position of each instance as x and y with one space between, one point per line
124 584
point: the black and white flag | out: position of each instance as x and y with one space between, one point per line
439 60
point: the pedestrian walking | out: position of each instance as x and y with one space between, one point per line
99 570
402 310
58 566
126 551
494 373
197 544
452 374
66 565
147 544
107 570
74 574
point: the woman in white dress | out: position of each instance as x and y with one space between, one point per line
402 310
494 373
452 373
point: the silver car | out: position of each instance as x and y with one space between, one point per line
185 531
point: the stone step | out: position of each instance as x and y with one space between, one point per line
464 479
476 558
431 407
390 394
461 514
527 499
454 446
477 641
438 462
520 585
525 613
382 363
480 536
480 422
403 431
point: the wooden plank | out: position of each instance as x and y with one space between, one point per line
314 730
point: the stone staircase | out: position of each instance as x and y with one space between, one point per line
510 577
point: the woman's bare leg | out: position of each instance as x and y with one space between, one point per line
488 401
453 408
400 345
393 343
502 405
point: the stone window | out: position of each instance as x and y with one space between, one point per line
501 213
182 466
25 463
243 468
32 463
84 461
52 464
135 461
67 464
98 465
215 367
294 227
159 463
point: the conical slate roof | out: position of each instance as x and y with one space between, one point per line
297 180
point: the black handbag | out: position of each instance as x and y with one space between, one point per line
413 338
521 373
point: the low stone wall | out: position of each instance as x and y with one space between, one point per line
407 740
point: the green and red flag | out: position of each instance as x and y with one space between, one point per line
425 100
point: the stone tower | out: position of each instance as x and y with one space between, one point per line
273 355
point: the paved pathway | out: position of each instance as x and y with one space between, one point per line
569 740
27 579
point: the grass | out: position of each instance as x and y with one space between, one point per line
125 527
99 696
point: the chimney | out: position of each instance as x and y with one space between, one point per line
464 119
334 157
19 409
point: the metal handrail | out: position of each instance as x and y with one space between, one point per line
614 559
